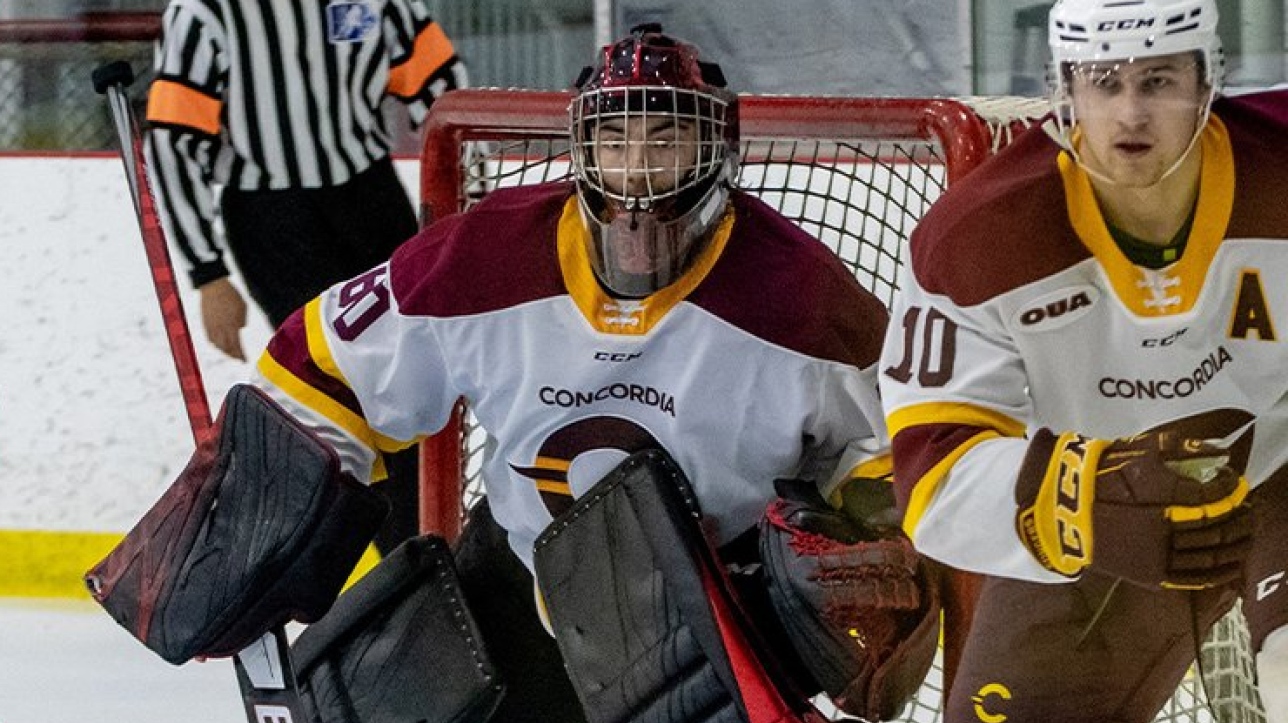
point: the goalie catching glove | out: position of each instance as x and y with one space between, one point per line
1158 509
854 597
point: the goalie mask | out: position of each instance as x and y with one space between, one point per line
1100 45
654 153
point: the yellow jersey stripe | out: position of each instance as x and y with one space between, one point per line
319 351
874 468
970 415
924 490
334 411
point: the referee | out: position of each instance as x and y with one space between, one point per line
279 104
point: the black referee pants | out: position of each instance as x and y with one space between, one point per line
293 244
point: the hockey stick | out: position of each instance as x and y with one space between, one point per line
112 79
264 672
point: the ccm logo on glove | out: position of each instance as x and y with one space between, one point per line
1158 509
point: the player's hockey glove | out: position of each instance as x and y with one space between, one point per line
854 597
1157 509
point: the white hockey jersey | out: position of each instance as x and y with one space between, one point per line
758 364
1019 311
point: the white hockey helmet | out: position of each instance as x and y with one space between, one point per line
1124 30
1104 32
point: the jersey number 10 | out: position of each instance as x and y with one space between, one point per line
935 356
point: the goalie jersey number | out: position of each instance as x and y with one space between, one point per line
362 300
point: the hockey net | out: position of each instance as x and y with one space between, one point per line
855 172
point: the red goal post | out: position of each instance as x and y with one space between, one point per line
857 173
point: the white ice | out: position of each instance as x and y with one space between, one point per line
68 662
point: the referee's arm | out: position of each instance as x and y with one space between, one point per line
184 109
423 64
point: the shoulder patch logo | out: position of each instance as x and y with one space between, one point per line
1056 309
349 21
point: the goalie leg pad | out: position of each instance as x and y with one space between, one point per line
261 527
400 646
626 576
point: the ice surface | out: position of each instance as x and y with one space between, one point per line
68 662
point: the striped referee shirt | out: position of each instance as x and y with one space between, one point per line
277 94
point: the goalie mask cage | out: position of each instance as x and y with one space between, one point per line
855 172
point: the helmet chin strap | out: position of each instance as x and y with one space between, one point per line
1062 133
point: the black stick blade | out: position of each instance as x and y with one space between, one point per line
117 72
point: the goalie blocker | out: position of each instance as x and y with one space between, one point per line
260 528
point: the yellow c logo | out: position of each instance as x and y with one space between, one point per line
981 712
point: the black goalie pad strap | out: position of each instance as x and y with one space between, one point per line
260 528
400 646
642 611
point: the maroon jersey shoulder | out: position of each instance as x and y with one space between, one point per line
1004 225
781 284
499 254
1258 127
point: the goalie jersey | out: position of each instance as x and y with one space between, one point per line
758 363
1019 311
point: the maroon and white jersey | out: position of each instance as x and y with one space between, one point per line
758 363
1019 311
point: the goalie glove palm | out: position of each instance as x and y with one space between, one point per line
1152 509
854 599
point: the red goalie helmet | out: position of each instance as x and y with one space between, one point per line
654 153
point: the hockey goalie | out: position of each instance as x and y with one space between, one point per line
824 599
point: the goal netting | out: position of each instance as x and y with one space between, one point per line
857 173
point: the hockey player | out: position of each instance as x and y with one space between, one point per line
1083 377
648 305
